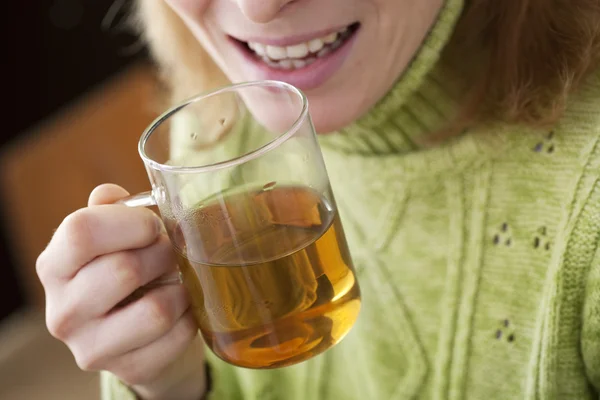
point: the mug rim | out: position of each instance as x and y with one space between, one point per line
251 155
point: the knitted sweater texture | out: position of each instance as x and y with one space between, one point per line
477 257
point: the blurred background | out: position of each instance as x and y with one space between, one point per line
78 91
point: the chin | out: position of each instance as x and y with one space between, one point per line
329 114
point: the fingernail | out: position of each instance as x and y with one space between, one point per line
160 227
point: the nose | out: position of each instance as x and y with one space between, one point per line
262 11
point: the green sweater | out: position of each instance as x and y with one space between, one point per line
477 258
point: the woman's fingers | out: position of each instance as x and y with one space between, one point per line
141 366
95 231
109 279
106 194
139 323
99 261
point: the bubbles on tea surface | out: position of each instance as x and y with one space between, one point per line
269 186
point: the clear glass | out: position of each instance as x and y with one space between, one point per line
246 200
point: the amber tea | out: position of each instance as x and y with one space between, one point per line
267 266
269 275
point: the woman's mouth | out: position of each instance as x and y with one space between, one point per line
304 64
302 54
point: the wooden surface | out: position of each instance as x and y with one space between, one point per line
51 171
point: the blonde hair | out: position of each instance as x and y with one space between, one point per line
534 54
185 67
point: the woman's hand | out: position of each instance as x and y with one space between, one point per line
98 257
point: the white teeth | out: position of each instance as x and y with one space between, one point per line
276 52
286 64
315 45
332 37
270 62
299 63
297 51
302 54
258 48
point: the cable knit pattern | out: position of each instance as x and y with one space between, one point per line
477 258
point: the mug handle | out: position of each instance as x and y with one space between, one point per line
146 199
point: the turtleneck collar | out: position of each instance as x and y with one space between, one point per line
420 101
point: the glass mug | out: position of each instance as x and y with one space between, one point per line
246 201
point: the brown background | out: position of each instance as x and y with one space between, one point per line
71 120
76 99
51 171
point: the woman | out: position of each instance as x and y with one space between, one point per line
462 140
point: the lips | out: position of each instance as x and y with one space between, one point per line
305 64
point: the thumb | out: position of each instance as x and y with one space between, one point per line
106 194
